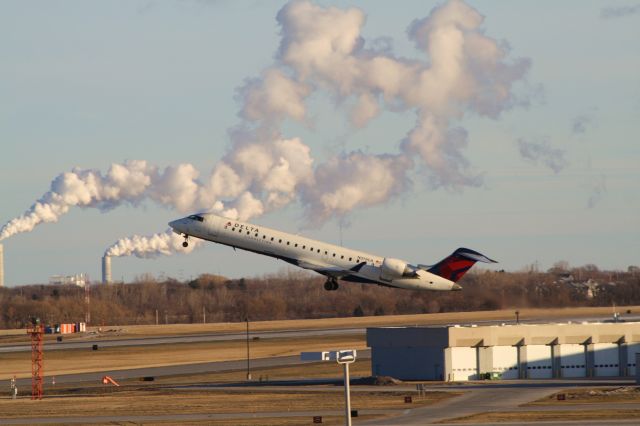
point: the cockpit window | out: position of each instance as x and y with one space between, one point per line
196 217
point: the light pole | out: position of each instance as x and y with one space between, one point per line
248 365
344 357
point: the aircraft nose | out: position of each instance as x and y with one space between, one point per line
176 225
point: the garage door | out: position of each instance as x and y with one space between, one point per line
632 349
505 361
572 360
538 361
606 362
463 363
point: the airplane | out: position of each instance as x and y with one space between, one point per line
334 262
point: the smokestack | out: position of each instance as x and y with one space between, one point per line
106 269
1 266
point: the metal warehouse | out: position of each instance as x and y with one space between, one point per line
525 351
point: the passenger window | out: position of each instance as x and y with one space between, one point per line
311 249
256 235
280 241
271 238
349 259
287 242
296 245
341 257
326 252
334 255
264 237
248 232
318 250
304 247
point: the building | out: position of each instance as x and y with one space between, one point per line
527 351
79 279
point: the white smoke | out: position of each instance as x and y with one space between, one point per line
464 71
322 49
613 12
543 152
165 243
253 178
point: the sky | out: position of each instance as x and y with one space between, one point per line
511 128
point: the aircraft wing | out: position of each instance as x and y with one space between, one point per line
330 270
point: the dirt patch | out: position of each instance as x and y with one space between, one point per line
545 416
376 381
622 394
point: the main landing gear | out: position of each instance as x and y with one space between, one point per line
331 284
185 243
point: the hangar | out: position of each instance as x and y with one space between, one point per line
522 351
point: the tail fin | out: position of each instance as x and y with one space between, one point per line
458 263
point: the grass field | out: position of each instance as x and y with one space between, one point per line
76 361
350 322
127 357
153 401
160 397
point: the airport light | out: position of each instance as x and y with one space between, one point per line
344 357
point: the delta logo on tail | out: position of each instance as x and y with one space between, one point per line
458 263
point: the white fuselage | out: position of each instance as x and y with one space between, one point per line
324 258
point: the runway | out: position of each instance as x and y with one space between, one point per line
88 341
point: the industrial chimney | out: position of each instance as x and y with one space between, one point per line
106 269
1 266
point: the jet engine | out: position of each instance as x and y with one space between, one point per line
395 268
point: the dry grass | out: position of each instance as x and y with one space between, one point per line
115 358
271 421
150 401
624 394
545 416
360 322
320 370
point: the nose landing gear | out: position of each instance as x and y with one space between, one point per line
331 284
185 243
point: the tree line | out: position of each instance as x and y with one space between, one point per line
293 294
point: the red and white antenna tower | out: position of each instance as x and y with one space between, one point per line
37 363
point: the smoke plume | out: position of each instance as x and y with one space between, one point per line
165 243
463 71
542 152
613 12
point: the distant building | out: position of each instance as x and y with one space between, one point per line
526 351
79 279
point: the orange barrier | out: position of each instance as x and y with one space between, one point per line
106 380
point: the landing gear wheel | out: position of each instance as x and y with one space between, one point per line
331 284
185 243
